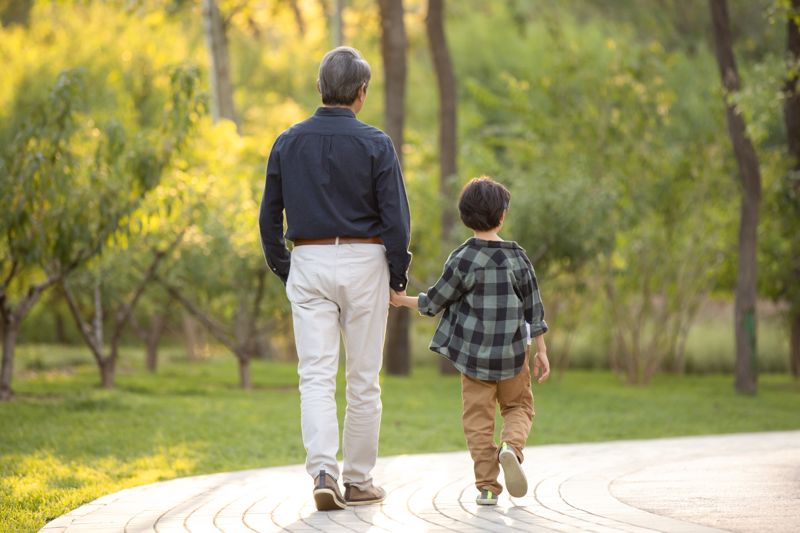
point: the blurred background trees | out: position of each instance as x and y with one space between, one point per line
124 186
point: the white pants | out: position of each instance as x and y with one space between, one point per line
340 288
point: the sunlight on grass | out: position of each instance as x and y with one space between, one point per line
42 486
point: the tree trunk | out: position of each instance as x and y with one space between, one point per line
153 339
298 17
221 85
152 356
244 371
791 117
190 335
393 50
791 105
397 360
98 315
10 329
446 80
337 25
397 353
107 369
61 331
745 323
16 12
12 318
151 335
794 344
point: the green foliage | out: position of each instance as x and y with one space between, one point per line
604 118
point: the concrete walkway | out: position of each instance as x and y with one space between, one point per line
743 482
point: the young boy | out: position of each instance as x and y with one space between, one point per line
490 298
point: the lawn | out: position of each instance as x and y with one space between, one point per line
64 442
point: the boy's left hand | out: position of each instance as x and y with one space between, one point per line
541 367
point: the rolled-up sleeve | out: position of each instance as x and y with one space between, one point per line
395 217
270 218
447 290
534 308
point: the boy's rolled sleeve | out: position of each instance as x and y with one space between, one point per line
447 290
534 309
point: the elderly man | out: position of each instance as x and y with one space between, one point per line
339 182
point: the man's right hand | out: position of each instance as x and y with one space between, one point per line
394 297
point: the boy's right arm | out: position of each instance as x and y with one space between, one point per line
400 299
449 289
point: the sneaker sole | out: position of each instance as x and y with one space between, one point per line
365 502
486 502
327 500
516 482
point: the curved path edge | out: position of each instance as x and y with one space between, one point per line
739 482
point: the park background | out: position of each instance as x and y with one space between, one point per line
144 338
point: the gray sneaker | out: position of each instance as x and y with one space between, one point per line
486 497
326 493
516 482
355 496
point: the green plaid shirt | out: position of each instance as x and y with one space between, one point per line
488 291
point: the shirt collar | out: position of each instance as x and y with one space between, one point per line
335 112
493 244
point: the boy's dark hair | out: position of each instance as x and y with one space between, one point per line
482 203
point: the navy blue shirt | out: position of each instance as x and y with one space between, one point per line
335 176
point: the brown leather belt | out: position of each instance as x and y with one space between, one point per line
340 240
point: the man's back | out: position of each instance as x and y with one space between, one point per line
335 176
328 161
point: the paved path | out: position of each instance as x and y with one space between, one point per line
744 482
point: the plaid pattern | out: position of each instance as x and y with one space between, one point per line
488 291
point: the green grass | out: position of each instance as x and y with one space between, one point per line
65 442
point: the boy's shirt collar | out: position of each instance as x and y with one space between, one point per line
492 244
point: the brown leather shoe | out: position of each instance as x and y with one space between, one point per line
355 496
326 493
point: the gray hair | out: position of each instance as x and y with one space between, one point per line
342 72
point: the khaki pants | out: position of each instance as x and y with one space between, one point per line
340 290
516 407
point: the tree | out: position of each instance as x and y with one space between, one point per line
750 177
790 190
336 22
215 28
151 327
606 184
15 12
116 279
393 49
91 323
217 277
67 186
241 334
446 80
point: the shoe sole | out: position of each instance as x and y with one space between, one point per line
486 502
327 500
516 482
356 503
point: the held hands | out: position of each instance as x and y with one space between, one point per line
541 366
396 298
